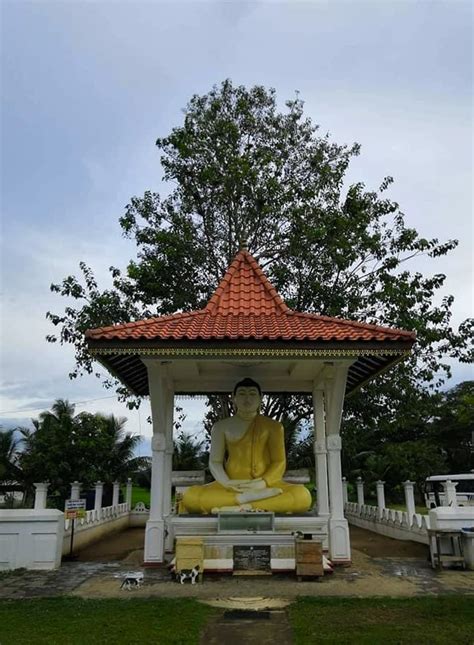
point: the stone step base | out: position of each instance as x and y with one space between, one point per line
219 547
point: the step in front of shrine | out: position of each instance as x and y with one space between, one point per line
219 546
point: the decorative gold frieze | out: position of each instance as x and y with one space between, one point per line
267 352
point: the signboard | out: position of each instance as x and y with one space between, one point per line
252 558
75 509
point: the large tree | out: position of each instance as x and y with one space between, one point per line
242 171
453 424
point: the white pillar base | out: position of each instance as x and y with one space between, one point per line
154 542
169 536
339 542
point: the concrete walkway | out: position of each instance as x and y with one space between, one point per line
237 627
380 567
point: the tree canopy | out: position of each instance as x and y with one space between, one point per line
241 170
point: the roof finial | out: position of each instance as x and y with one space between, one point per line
243 244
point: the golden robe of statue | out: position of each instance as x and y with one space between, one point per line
248 462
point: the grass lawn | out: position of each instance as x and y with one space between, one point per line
139 495
374 621
422 510
352 621
67 620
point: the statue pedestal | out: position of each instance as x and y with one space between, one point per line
154 542
219 547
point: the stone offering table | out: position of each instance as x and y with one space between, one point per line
219 542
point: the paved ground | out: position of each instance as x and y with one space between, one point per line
381 567
250 628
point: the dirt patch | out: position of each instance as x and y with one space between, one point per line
128 546
115 547
254 628
379 546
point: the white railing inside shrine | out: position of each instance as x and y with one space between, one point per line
99 516
407 524
395 524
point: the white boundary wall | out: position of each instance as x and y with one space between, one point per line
395 524
37 538
31 538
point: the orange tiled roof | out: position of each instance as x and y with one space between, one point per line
245 306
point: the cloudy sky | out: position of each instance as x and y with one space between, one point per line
88 86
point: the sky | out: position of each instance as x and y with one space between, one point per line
88 86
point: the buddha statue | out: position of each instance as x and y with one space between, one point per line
247 461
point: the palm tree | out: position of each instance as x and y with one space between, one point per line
11 475
9 443
120 461
188 454
86 447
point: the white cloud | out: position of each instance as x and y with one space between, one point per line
80 122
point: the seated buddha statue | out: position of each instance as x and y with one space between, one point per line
247 461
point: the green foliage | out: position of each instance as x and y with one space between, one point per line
241 170
453 424
85 447
189 454
9 451
54 621
433 435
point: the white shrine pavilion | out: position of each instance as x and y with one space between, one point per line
246 330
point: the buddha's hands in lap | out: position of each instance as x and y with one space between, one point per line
246 485
251 490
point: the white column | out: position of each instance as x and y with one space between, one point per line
75 490
409 500
450 498
345 496
116 493
360 491
320 452
41 495
99 491
380 496
168 452
160 395
128 494
339 540
167 484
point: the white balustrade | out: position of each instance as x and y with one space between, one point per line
116 493
409 499
41 495
450 498
380 485
402 525
360 491
345 496
99 491
75 490
128 494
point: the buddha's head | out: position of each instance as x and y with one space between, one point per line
247 397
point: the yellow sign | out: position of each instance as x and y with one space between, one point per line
75 509
76 513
